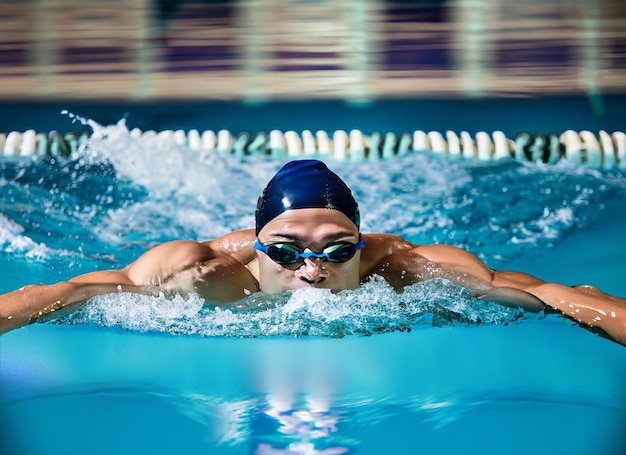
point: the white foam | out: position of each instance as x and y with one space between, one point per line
373 308
12 241
173 192
208 193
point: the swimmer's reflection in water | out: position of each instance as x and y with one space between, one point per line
307 234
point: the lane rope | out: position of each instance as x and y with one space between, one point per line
601 151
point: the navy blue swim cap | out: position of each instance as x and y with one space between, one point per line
305 184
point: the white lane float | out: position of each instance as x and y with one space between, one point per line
604 150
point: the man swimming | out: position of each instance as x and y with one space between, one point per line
307 235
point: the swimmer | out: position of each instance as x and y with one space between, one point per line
307 235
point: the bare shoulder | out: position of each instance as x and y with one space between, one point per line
378 248
446 254
387 246
456 259
167 259
398 258
238 245
177 250
381 245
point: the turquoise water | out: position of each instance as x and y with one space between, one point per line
365 371
541 386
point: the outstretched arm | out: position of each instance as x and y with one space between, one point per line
27 304
176 267
585 304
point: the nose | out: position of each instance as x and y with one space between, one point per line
312 270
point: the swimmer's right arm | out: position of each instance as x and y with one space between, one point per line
25 305
21 307
179 266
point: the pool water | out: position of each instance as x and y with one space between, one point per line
369 371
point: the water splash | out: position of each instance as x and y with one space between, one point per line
13 242
190 194
373 308
181 193
125 193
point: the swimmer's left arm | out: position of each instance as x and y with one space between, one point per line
585 304
421 263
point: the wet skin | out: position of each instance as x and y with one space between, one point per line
229 268
314 229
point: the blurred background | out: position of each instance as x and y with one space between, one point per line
347 52
356 50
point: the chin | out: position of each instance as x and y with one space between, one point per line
303 284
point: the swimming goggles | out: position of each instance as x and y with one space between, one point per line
286 253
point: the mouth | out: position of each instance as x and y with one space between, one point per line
313 283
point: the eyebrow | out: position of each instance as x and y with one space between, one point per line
297 239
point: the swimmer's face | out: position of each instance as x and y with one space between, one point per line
315 229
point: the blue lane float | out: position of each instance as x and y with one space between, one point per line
603 150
